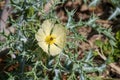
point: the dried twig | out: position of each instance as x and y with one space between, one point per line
112 65
4 17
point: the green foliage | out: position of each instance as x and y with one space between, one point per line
115 14
117 51
94 3
115 3
27 53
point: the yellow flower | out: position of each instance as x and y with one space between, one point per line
51 37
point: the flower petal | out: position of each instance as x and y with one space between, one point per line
40 35
54 50
44 46
60 32
47 26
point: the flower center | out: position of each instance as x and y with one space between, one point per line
50 39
